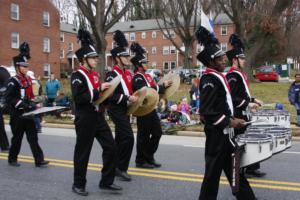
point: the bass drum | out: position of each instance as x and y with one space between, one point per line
258 147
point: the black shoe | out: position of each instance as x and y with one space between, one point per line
255 173
110 187
43 163
155 164
144 165
79 191
124 176
14 163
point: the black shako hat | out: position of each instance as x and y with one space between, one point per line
121 48
238 48
87 49
23 57
211 45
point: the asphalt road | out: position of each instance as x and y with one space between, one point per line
179 178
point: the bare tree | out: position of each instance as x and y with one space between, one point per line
68 10
179 17
259 24
102 15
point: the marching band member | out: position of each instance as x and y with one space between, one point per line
217 113
148 127
240 92
89 119
20 97
118 102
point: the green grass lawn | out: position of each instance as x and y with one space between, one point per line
268 92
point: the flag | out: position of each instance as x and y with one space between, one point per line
206 22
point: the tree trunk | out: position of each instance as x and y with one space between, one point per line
187 54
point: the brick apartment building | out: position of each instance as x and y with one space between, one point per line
160 51
36 22
68 46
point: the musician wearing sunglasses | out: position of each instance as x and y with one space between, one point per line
217 114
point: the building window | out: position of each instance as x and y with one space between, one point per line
153 34
143 35
224 46
15 40
166 65
62 36
132 37
153 50
62 53
14 11
46 45
223 30
126 36
170 34
46 19
70 47
173 64
172 50
166 50
47 70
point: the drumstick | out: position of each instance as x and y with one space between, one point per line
255 121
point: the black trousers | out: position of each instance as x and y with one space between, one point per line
148 137
89 126
123 135
19 126
218 151
4 144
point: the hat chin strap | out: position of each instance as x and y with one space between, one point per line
88 64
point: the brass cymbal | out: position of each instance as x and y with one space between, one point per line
106 93
141 94
173 88
149 103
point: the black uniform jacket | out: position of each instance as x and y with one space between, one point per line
214 109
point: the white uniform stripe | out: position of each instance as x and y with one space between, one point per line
90 86
124 86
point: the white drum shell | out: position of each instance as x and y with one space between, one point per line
256 150
277 117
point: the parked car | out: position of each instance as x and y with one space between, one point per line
266 73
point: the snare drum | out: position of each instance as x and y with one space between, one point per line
282 137
258 147
261 127
276 117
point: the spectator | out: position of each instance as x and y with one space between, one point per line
195 96
294 96
52 89
63 100
184 107
174 116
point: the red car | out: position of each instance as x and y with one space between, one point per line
266 73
